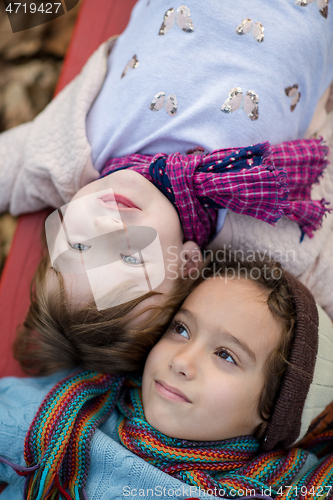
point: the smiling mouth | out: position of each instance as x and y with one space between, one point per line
117 202
171 392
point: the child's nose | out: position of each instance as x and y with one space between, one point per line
108 224
184 363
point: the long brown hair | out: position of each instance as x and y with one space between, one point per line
56 335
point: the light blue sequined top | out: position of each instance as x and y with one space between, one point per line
214 74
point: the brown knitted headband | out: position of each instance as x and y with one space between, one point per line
284 426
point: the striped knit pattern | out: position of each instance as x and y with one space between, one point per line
59 437
57 448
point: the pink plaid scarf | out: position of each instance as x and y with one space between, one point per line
263 181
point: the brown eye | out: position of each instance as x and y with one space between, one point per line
224 354
180 329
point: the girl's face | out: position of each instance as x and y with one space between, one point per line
203 379
119 230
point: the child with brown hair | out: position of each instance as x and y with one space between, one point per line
204 189
232 385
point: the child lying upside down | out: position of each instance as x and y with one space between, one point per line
123 110
233 383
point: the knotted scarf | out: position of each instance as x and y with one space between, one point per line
263 181
57 448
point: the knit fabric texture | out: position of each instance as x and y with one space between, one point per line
57 447
254 181
284 427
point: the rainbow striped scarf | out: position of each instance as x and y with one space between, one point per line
57 448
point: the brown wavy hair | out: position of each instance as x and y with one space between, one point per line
56 335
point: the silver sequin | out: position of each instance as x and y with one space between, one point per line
250 105
322 5
158 102
171 105
132 64
248 25
169 21
258 32
245 27
234 100
295 94
184 20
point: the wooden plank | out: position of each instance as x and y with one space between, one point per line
98 20
15 285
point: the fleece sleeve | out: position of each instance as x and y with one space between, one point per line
45 162
11 152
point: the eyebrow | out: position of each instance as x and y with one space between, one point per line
226 334
241 344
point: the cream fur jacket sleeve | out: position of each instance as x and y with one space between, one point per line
45 162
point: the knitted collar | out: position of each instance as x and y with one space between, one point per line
255 181
61 432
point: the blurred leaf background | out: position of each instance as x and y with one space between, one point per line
30 64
